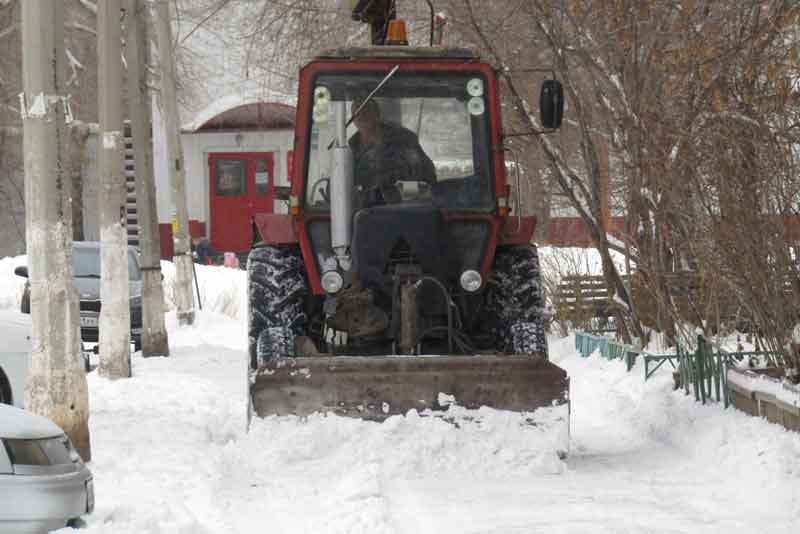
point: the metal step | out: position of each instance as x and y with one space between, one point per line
130 179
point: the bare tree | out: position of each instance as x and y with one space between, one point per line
579 170
693 101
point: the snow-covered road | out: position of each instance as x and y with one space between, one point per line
171 454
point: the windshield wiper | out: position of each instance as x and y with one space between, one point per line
87 276
367 100
372 94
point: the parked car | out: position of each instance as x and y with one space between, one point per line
43 481
15 350
86 273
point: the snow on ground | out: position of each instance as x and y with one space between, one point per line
171 455
222 289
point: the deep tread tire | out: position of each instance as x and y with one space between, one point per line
274 342
277 290
514 308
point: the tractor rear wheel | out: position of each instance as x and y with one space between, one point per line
277 291
514 306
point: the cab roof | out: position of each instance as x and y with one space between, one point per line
399 52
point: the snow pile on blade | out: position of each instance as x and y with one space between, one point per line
351 468
486 443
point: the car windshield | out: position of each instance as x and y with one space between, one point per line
422 137
86 263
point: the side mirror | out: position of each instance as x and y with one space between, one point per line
551 104
21 271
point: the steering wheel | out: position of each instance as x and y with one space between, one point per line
380 195
324 192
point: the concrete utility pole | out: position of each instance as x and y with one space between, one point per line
115 313
184 299
56 386
137 46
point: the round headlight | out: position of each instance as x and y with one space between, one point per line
332 282
471 281
476 106
475 87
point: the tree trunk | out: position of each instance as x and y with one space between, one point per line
56 386
115 318
155 341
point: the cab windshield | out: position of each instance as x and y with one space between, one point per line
421 138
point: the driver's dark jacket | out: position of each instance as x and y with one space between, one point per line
397 156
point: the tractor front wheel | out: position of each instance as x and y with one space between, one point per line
277 290
514 306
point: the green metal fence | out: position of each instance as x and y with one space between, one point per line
702 372
610 349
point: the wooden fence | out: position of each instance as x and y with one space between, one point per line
586 303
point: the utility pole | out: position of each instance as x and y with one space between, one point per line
56 386
184 299
154 333
115 313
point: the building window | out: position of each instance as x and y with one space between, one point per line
262 176
231 177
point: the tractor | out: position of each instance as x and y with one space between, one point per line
403 276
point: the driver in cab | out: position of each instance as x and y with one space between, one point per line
386 156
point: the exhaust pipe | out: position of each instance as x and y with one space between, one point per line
341 190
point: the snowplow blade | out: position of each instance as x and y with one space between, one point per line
377 387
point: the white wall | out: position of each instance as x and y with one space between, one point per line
160 166
196 148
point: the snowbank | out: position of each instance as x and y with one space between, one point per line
789 394
222 290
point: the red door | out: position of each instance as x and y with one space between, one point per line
241 185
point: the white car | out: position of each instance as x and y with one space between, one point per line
15 351
44 484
